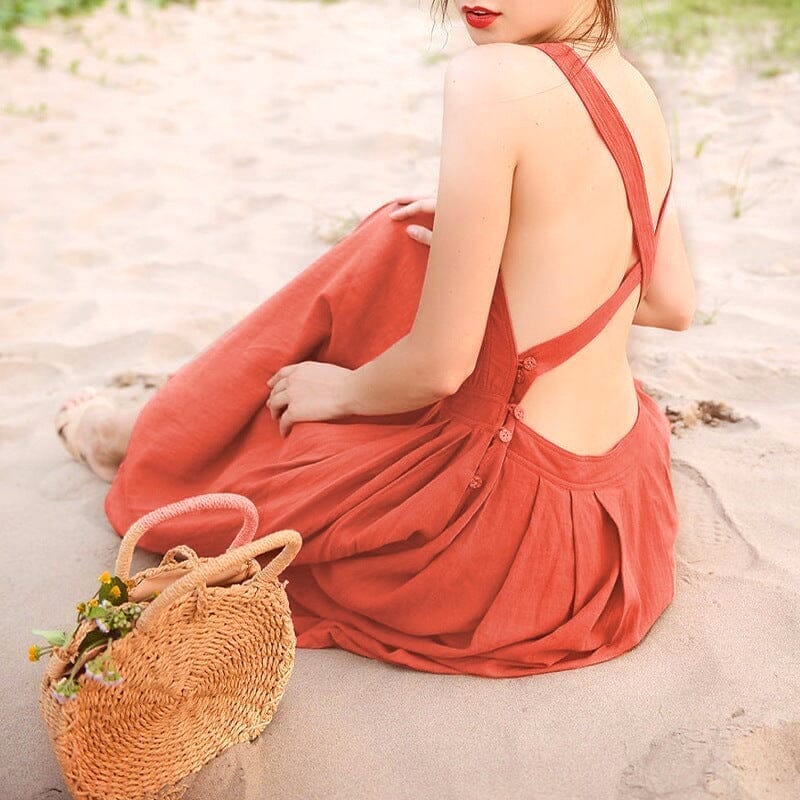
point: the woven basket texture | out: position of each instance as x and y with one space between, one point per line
203 668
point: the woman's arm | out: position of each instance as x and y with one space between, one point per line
670 299
478 157
402 378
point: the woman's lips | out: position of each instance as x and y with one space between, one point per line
478 16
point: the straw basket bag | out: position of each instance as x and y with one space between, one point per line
204 665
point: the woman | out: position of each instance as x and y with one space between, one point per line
441 403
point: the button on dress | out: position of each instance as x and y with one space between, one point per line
453 538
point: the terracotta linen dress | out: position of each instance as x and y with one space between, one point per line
453 538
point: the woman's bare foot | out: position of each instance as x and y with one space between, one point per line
87 424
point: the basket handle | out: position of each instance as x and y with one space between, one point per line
198 502
289 539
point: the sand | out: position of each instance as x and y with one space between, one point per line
184 165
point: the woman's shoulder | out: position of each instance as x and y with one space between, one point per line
504 68
507 90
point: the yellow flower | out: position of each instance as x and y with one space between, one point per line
93 601
33 652
114 591
105 577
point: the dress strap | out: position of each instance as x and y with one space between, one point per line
617 136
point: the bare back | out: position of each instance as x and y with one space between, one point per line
569 244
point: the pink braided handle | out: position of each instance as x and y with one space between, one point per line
199 502
243 548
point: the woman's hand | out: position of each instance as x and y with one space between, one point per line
416 204
309 390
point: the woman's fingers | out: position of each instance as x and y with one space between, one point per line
413 206
278 399
401 212
420 234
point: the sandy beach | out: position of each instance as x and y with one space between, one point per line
168 169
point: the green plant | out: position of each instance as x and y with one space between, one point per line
37 112
700 145
43 55
737 188
689 26
114 616
15 13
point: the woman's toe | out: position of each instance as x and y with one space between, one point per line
78 398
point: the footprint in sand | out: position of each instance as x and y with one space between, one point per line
709 541
766 762
733 762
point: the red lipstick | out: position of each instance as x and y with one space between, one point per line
478 16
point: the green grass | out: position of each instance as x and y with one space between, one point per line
766 29
14 13
37 112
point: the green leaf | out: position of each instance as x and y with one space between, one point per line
105 591
94 637
57 638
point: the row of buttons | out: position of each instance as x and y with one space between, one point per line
505 435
